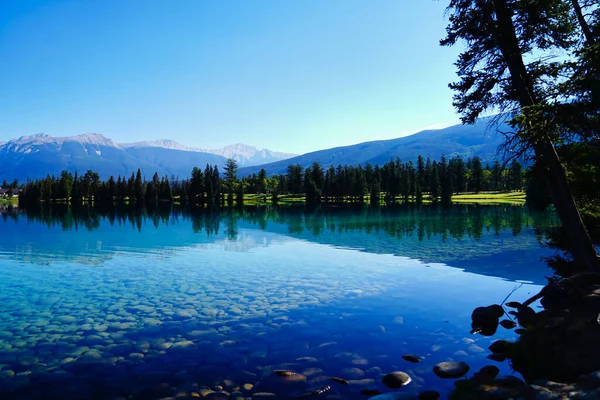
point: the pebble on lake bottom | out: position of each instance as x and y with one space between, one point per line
396 379
450 369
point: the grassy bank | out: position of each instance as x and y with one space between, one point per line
516 198
4 202
490 197
510 198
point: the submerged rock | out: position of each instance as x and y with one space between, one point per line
507 388
484 320
353 373
411 358
475 349
497 309
499 346
288 382
361 384
557 353
451 369
370 392
526 316
497 357
217 396
428 395
396 379
340 381
508 324
280 372
490 370
264 395
317 392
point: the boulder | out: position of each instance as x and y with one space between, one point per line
451 369
499 346
396 379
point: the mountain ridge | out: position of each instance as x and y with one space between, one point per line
480 139
35 156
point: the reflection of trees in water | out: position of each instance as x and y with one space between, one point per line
457 222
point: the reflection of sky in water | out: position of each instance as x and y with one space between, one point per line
191 309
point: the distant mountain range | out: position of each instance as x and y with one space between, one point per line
39 155
36 156
481 139
243 154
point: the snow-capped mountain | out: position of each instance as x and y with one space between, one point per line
35 143
247 156
244 155
38 155
162 143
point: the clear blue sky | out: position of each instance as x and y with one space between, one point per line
289 75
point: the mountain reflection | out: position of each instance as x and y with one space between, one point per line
463 236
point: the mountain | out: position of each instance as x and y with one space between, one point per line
161 143
39 155
247 156
480 139
244 155
176 162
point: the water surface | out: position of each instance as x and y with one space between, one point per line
164 303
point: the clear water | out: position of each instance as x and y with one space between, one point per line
163 304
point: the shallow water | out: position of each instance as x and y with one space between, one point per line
154 305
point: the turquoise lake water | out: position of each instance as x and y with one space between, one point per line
149 305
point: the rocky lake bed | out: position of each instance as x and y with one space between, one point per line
260 315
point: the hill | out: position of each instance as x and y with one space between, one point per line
480 139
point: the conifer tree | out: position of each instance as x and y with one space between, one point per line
507 65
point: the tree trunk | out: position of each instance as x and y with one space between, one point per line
585 28
583 250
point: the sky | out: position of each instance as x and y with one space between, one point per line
293 76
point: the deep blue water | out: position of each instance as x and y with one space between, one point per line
154 305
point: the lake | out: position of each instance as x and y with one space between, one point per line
169 303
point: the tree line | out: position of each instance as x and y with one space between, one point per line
395 181
459 222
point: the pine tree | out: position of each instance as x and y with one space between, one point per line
507 64
375 193
240 193
230 176
209 186
111 189
460 175
418 194
496 178
138 187
515 176
476 183
435 182
76 190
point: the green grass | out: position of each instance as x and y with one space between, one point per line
490 197
516 198
260 199
14 201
